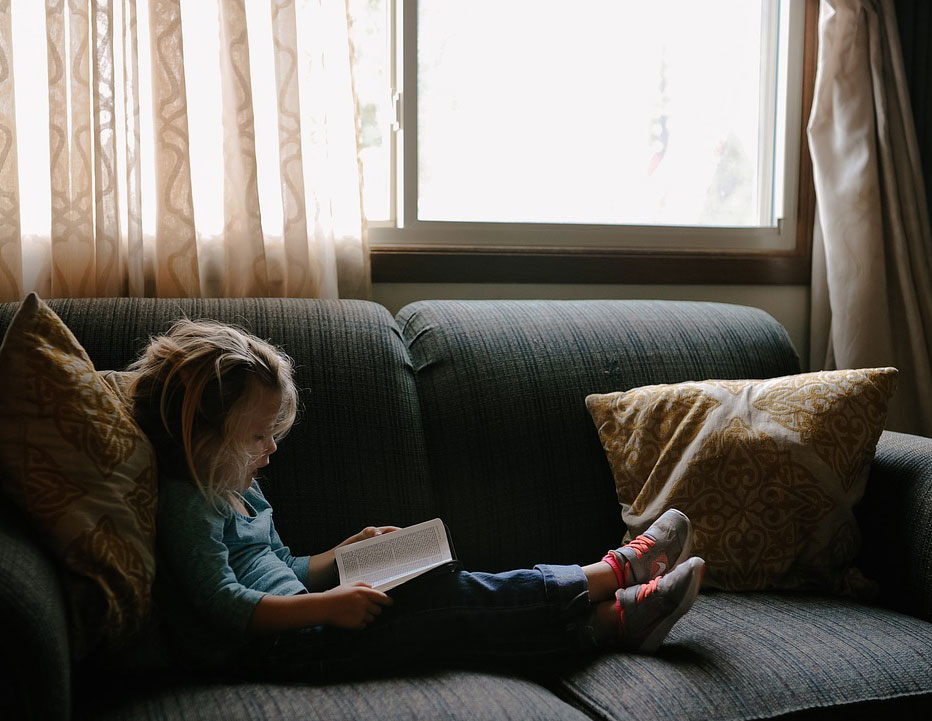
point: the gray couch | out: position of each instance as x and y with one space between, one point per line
473 411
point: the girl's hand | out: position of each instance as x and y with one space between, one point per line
354 606
369 532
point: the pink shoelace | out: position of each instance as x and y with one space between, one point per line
640 545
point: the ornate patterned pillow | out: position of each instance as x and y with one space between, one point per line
768 471
74 460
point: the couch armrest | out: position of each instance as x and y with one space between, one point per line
896 520
35 666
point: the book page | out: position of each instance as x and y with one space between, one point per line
391 559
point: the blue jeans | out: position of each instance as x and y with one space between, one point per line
446 616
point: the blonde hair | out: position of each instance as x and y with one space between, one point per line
190 394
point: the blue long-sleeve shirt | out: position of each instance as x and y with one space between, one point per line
214 568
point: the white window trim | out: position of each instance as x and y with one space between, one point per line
407 231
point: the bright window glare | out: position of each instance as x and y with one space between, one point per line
594 111
265 111
146 118
371 53
30 77
200 26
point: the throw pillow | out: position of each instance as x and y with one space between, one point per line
768 471
75 461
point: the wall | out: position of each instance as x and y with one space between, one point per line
788 304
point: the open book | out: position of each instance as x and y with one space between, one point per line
391 559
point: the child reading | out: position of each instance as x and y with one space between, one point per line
215 401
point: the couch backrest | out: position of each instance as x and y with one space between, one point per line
476 414
356 456
518 470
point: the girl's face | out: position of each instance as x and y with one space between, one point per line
261 414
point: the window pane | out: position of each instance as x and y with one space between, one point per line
595 111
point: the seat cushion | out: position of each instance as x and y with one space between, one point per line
443 695
758 655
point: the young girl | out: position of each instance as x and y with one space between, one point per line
215 401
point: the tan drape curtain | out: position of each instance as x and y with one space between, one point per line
135 201
872 270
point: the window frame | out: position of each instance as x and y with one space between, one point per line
406 250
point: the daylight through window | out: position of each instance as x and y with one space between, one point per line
595 113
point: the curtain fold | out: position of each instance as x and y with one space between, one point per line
143 198
877 273
245 270
299 263
135 248
72 226
11 255
175 238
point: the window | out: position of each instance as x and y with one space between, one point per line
501 138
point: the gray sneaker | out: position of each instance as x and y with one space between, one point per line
661 548
647 612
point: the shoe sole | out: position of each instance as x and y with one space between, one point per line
655 637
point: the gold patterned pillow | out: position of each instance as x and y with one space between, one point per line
75 461
767 470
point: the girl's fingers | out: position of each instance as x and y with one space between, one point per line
378 603
375 595
370 531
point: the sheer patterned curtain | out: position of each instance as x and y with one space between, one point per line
872 270
179 148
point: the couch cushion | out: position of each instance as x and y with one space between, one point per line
517 465
359 428
35 663
750 656
897 507
442 695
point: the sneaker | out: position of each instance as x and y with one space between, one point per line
661 548
647 612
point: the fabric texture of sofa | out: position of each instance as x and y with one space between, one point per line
475 411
